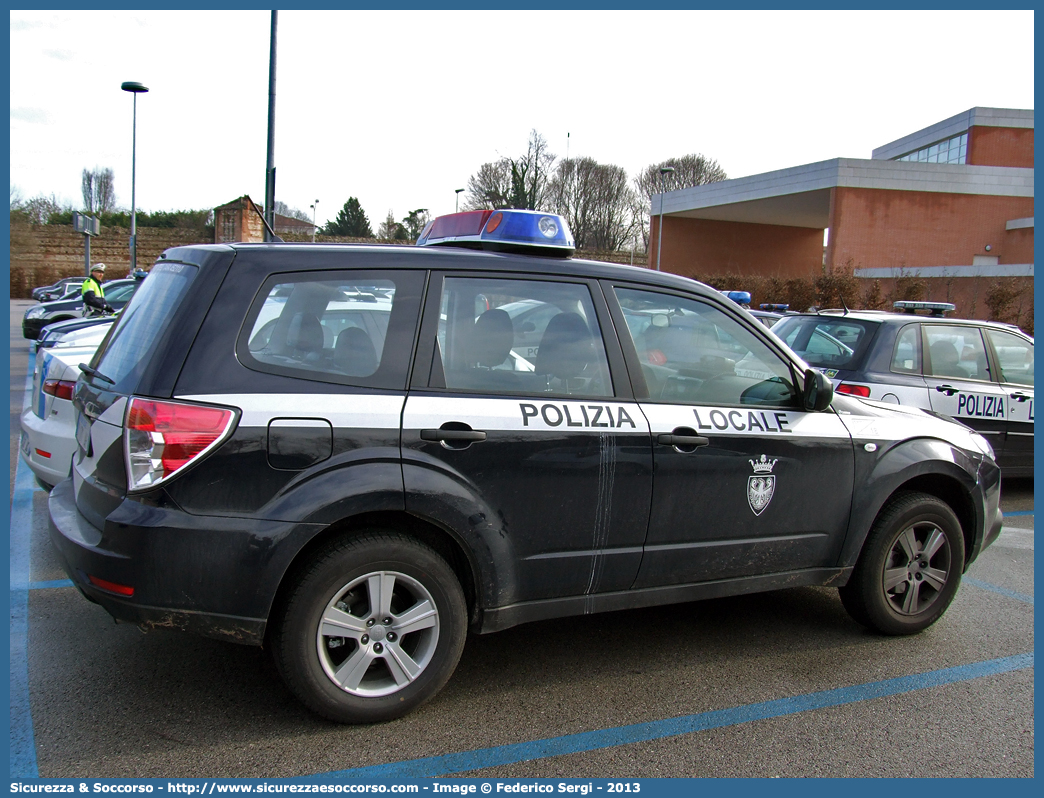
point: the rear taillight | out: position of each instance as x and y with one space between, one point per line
854 390
63 389
161 438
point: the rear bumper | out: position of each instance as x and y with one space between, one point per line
212 576
47 445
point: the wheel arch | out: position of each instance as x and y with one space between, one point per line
445 544
926 466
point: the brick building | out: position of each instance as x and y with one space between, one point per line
952 203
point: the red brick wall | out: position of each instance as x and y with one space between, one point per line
1000 146
1018 247
879 228
703 246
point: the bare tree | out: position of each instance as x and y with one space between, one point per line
87 189
283 209
104 191
689 170
595 200
513 182
99 193
489 187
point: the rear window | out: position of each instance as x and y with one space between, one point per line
826 341
123 355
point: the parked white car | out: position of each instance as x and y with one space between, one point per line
48 438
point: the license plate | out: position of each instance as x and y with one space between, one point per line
83 433
25 445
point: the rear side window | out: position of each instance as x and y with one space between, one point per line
906 358
331 327
521 336
124 354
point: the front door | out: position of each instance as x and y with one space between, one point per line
745 482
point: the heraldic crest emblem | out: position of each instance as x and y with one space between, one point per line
762 485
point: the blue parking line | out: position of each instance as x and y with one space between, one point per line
1018 512
1002 591
51 584
673 727
22 763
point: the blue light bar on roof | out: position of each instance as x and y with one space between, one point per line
505 230
739 297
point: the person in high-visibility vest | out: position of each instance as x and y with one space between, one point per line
92 292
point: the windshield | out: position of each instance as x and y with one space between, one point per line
834 342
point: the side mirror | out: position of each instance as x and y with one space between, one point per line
819 391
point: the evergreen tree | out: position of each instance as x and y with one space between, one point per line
350 221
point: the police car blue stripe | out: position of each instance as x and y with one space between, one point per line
673 727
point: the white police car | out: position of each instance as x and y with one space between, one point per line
356 454
980 373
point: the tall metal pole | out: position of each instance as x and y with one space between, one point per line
134 88
270 165
659 232
314 205
456 204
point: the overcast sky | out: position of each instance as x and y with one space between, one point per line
400 108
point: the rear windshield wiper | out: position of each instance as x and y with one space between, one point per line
95 373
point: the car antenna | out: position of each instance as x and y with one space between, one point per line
843 304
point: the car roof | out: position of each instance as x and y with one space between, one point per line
880 316
308 257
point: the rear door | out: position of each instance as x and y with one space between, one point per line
536 439
960 384
1013 355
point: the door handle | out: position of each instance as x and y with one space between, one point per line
1019 396
667 439
949 390
457 435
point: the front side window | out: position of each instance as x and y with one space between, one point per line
955 352
1015 355
326 328
521 336
691 352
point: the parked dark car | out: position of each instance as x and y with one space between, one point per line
354 455
117 294
57 290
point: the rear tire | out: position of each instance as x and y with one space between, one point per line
910 566
373 628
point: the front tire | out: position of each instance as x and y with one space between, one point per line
910 566
373 628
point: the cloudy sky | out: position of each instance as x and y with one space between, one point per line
400 108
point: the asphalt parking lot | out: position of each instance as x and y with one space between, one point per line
777 684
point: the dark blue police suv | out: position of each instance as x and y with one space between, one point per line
354 455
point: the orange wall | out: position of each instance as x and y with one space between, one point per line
694 247
1000 146
1019 246
880 228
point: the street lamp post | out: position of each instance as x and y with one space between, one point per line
134 88
313 220
456 205
664 170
